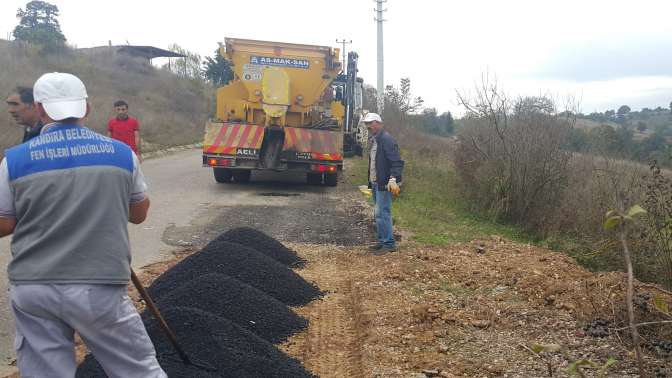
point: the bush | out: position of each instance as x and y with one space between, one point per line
514 162
657 236
510 158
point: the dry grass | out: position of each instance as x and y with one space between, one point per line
435 205
171 110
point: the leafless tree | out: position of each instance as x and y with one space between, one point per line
512 153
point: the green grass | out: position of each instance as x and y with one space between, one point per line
431 208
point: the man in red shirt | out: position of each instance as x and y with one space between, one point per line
124 128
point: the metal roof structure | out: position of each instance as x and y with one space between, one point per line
148 52
145 52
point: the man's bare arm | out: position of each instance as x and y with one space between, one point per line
137 144
138 211
7 226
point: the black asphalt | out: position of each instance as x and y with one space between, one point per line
263 243
244 264
216 341
244 305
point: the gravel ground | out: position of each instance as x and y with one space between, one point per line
244 264
294 213
263 243
244 305
331 223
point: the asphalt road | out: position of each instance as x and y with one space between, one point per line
188 208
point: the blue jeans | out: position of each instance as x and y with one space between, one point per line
383 214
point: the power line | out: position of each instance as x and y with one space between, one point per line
343 42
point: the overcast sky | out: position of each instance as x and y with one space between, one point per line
603 53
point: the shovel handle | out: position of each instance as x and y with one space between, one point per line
157 314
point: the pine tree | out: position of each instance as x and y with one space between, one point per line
217 69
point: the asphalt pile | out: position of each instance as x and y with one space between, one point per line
89 368
263 243
244 305
212 341
244 264
234 351
227 305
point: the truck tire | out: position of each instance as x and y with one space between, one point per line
331 179
242 175
314 178
222 175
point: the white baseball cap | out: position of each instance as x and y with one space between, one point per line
370 117
62 95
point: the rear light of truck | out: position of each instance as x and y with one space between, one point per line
219 162
323 168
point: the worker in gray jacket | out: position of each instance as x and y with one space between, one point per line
67 197
385 168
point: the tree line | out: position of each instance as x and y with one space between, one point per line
402 106
641 136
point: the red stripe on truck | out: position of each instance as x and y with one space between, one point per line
243 138
305 140
257 136
232 136
218 140
330 142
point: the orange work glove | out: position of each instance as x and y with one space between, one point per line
393 187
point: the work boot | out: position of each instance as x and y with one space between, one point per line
384 250
375 247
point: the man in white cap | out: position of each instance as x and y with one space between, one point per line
67 197
385 167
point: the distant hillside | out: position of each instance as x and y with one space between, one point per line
171 110
642 125
658 119
587 124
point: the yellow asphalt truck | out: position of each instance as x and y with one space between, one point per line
289 108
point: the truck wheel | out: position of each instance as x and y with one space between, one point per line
242 175
222 175
314 178
331 179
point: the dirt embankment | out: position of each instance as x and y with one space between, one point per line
467 310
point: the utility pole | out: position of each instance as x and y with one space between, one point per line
343 42
379 20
